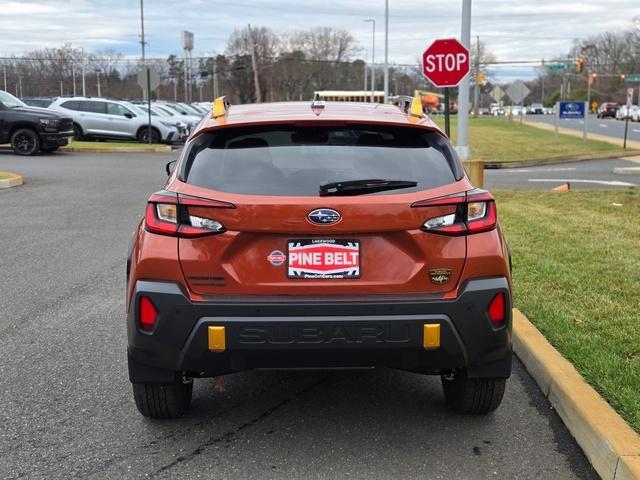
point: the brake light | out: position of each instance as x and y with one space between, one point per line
497 313
475 212
168 214
147 314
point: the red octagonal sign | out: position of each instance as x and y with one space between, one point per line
445 62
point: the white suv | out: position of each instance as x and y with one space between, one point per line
103 118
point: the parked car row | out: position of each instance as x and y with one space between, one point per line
106 118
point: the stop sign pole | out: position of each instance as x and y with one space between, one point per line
445 63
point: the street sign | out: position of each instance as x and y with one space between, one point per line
445 63
554 67
518 91
571 110
632 78
154 79
497 93
629 99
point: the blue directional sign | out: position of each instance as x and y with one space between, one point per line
571 110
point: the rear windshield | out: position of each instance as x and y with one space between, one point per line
288 160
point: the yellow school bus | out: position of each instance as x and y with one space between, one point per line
349 96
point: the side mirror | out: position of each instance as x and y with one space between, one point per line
170 167
128 115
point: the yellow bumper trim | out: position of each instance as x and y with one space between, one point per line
431 336
217 339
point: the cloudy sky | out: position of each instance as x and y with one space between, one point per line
512 29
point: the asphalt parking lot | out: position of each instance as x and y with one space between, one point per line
66 408
587 174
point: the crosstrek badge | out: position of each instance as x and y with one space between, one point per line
323 258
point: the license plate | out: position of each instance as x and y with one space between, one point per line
323 258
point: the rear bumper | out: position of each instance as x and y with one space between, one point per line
319 333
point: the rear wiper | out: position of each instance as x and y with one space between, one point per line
360 187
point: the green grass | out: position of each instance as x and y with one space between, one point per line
495 139
3 176
107 146
576 274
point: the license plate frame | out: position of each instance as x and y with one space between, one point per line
348 247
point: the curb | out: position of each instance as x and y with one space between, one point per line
141 149
610 444
558 160
13 180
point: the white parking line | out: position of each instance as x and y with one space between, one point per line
602 125
636 130
529 170
611 183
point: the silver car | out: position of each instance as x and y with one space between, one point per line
141 109
185 115
103 118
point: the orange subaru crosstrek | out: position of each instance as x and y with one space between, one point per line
313 235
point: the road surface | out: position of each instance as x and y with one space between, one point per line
602 126
587 174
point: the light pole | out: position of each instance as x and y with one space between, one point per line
386 50
4 70
373 59
463 90
366 68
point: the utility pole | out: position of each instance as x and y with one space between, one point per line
73 75
98 82
4 69
476 86
256 78
84 85
144 65
463 89
386 51
373 60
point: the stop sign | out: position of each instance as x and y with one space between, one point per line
445 62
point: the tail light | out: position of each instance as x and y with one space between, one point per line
474 212
168 214
147 314
497 312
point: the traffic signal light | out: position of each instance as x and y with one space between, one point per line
580 65
622 77
592 78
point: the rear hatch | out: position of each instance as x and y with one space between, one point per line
280 233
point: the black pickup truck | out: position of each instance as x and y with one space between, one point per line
30 130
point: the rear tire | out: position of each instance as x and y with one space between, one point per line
476 396
163 400
25 142
143 135
77 132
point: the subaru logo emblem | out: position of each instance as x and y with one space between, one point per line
323 216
